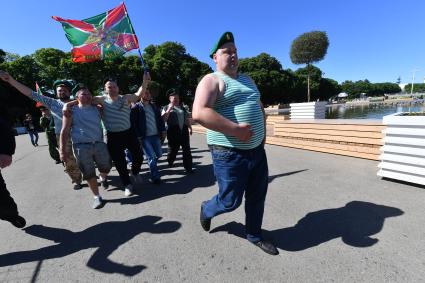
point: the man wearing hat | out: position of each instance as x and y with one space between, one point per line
47 123
83 126
228 104
120 136
62 89
178 130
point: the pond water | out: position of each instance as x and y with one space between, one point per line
371 111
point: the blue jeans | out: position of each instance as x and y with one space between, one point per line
238 172
152 148
33 136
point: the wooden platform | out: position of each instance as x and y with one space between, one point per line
356 138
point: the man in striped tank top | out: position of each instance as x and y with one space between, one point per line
120 135
116 118
228 104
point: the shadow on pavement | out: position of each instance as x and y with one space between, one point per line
181 184
106 237
271 178
355 223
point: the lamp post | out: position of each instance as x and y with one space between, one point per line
413 80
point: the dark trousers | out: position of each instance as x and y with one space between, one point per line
53 145
177 138
117 143
33 136
7 204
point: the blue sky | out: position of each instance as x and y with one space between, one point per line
375 39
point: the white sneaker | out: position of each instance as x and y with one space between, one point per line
128 190
97 203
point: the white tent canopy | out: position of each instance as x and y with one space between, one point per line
342 95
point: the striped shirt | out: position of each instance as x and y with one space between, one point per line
151 128
86 125
240 103
116 114
55 106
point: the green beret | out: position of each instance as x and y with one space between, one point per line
77 87
172 91
66 83
226 37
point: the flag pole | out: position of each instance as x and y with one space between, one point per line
144 66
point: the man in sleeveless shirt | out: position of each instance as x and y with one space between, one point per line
62 89
120 135
228 104
83 125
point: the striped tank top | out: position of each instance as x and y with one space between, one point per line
116 114
240 104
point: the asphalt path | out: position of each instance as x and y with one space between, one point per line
331 217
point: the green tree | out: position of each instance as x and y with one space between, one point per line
379 89
308 48
273 83
48 61
171 66
416 87
328 88
309 77
23 69
2 56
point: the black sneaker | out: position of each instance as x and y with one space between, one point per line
190 171
78 187
16 220
205 222
155 181
267 247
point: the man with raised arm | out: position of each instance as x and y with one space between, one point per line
62 89
228 104
116 119
83 125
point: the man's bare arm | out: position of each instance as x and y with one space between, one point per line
203 112
20 87
142 89
64 136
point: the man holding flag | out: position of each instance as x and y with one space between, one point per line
62 89
120 136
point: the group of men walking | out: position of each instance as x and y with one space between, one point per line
227 103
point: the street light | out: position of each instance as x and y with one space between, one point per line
413 80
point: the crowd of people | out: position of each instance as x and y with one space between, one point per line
226 102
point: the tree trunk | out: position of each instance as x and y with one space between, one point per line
308 82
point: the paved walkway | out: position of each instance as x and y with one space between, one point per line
331 217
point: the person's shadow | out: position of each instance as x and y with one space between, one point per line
355 223
106 237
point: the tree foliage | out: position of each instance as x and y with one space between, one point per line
272 81
308 48
171 66
354 89
416 88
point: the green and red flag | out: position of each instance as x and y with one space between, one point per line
103 36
